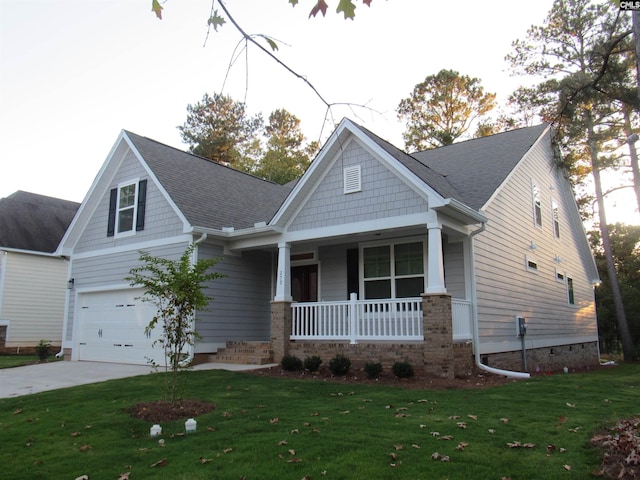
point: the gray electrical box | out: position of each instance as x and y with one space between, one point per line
521 325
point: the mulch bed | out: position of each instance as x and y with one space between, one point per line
157 412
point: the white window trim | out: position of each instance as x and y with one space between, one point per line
352 179
392 276
527 264
534 187
564 276
117 233
555 208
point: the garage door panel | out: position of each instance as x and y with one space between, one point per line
112 328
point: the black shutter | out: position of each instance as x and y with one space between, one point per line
142 201
111 222
353 282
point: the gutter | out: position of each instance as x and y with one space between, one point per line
476 330
194 259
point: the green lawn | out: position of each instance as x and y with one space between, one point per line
9 361
268 428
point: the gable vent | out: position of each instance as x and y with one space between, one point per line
352 179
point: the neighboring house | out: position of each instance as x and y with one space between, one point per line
432 258
33 279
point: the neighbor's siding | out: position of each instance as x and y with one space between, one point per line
504 286
241 306
33 298
161 221
383 194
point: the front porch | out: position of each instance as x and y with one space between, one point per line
393 320
421 331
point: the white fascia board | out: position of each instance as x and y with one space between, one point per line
460 211
30 252
186 225
83 214
387 223
513 172
161 242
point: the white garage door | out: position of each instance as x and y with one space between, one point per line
112 328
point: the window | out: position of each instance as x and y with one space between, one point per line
560 276
537 205
532 265
393 271
555 218
570 294
352 179
127 208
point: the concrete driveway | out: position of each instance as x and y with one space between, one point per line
50 376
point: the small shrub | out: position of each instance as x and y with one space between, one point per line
402 369
43 349
373 370
339 365
291 363
312 364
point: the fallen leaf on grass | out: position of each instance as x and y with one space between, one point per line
454 417
394 456
282 442
274 420
160 463
415 446
446 437
124 476
227 450
85 448
571 405
461 425
76 434
211 429
504 420
295 430
567 468
473 417
82 477
205 460
461 446
17 412
491 430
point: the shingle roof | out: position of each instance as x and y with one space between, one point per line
34 222
210 195
476 168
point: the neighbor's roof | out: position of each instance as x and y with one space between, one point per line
34 222
209 194
476 168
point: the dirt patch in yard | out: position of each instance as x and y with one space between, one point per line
157 412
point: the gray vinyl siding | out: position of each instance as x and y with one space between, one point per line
454 277
241 308
504 286
383 194
33 298
160 219
105 271
333 272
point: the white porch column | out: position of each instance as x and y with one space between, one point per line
283 280
435 269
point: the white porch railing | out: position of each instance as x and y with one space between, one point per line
358 320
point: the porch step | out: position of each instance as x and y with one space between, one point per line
244 353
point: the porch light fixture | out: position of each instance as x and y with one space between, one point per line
70 283
532 245
558 259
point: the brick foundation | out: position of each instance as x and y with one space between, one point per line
579 356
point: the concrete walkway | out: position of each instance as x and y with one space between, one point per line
50 376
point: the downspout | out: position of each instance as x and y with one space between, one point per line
194 259
65 320
476 329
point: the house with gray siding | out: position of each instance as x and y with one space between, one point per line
462 257
33 279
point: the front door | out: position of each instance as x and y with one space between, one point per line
304 283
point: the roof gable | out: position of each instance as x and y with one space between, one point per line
33 222
476 168
209 195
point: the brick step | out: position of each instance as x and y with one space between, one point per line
247 353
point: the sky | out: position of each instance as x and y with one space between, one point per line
74 73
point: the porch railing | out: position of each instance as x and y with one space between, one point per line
361 320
